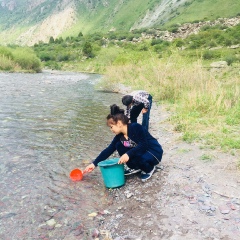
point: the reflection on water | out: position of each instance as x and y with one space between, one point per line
49 124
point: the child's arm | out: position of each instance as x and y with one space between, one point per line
142 97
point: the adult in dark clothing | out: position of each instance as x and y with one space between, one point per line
137 148
137 102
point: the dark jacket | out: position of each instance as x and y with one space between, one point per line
144 140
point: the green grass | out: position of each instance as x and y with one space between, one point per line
115 15
203 10
9 36
183 150
206 157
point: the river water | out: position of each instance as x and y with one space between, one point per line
51 123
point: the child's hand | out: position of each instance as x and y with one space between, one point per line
123 159
144 110
89 168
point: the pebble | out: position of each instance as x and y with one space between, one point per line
95 233
224 209
93 214
51 222
128 195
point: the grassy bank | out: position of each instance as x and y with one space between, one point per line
205 102
19 59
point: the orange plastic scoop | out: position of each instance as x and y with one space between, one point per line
76 174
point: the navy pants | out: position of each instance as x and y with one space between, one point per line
146 116
145 162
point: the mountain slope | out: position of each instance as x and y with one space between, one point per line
26 22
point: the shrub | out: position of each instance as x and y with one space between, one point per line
195 44
53 65
143 47
6 52
26 59
80 34
173 29
205 28
130 37
161 47
230 59
207 54
151 31
45 56
6 64
51 40
87 50
211 44
137 31
178 42
112 36
62 57
156 41
227 42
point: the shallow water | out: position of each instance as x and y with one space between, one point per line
50 124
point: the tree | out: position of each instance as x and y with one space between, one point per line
87 49
80 34
51 40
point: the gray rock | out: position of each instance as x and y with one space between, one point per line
220 64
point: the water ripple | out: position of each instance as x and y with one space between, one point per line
50 123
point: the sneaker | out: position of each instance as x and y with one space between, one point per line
146 176
130 171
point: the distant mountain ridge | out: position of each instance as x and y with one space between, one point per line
26 22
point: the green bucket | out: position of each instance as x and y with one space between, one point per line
112 173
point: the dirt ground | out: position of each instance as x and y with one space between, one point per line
190 196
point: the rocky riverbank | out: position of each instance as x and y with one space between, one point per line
194 194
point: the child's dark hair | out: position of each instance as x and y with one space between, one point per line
116 114
115 109
127 99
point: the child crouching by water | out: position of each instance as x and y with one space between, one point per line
137 148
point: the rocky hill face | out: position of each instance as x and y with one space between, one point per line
35 20
9 5
26 22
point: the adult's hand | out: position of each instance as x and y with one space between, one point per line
89 168
144 110
123 159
